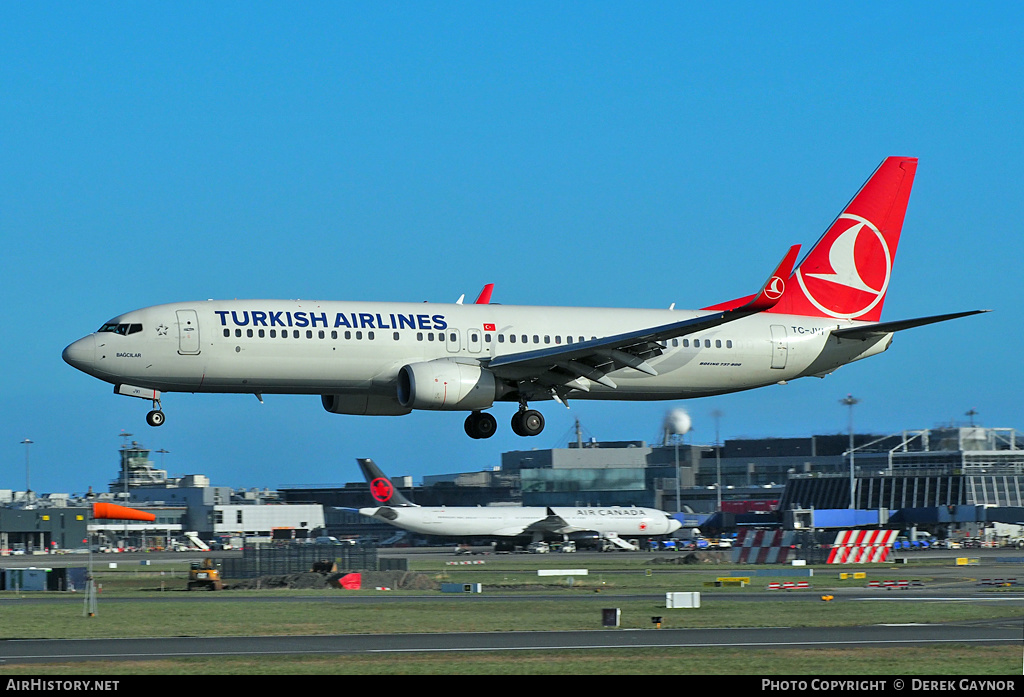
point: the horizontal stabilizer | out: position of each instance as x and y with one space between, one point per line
873 331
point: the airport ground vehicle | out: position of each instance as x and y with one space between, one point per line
204 575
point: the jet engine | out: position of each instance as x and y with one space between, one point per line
446 385
363 405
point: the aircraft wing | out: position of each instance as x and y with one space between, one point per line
557 370
873 331
551 523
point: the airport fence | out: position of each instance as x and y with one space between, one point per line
280 559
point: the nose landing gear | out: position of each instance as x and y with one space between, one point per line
156 417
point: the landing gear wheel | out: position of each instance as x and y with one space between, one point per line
481 425
528 422
155 418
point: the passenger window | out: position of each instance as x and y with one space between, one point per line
359 336
321 334
707 343
295 334
238 332
547 338
396 336
728 343
263 333
419 336
512 338
369 336
334 333
487 338
248 333
501 338
718 343
536 339
227 332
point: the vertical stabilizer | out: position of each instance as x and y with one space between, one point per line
384 493
847 273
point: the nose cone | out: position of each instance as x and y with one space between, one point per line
673 524
81 354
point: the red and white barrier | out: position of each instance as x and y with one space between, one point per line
861 546
764 547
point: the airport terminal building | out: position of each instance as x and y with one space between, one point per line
950 481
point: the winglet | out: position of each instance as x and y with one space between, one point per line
485 295
381 489
775 286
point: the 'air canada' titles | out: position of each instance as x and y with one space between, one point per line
349 320
611 511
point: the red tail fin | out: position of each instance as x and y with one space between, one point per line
846 274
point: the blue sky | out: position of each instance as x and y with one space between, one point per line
600 154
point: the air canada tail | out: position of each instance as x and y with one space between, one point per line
846 274
384 493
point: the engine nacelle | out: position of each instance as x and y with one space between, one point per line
363 404
445 385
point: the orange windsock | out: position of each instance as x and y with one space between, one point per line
111 511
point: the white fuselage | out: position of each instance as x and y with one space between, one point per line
511 521
345 348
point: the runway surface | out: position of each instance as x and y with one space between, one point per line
49 651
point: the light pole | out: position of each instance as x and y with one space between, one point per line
716 414
849 401
677 422
28 488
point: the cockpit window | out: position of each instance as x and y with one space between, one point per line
123 329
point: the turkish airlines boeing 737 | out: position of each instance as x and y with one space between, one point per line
391 358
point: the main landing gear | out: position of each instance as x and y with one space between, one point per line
480 424
525 422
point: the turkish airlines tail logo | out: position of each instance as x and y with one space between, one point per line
846 274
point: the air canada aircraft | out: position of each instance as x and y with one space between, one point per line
388 358
580 524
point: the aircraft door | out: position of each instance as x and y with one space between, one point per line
474 340
780 347
453 340
188 332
